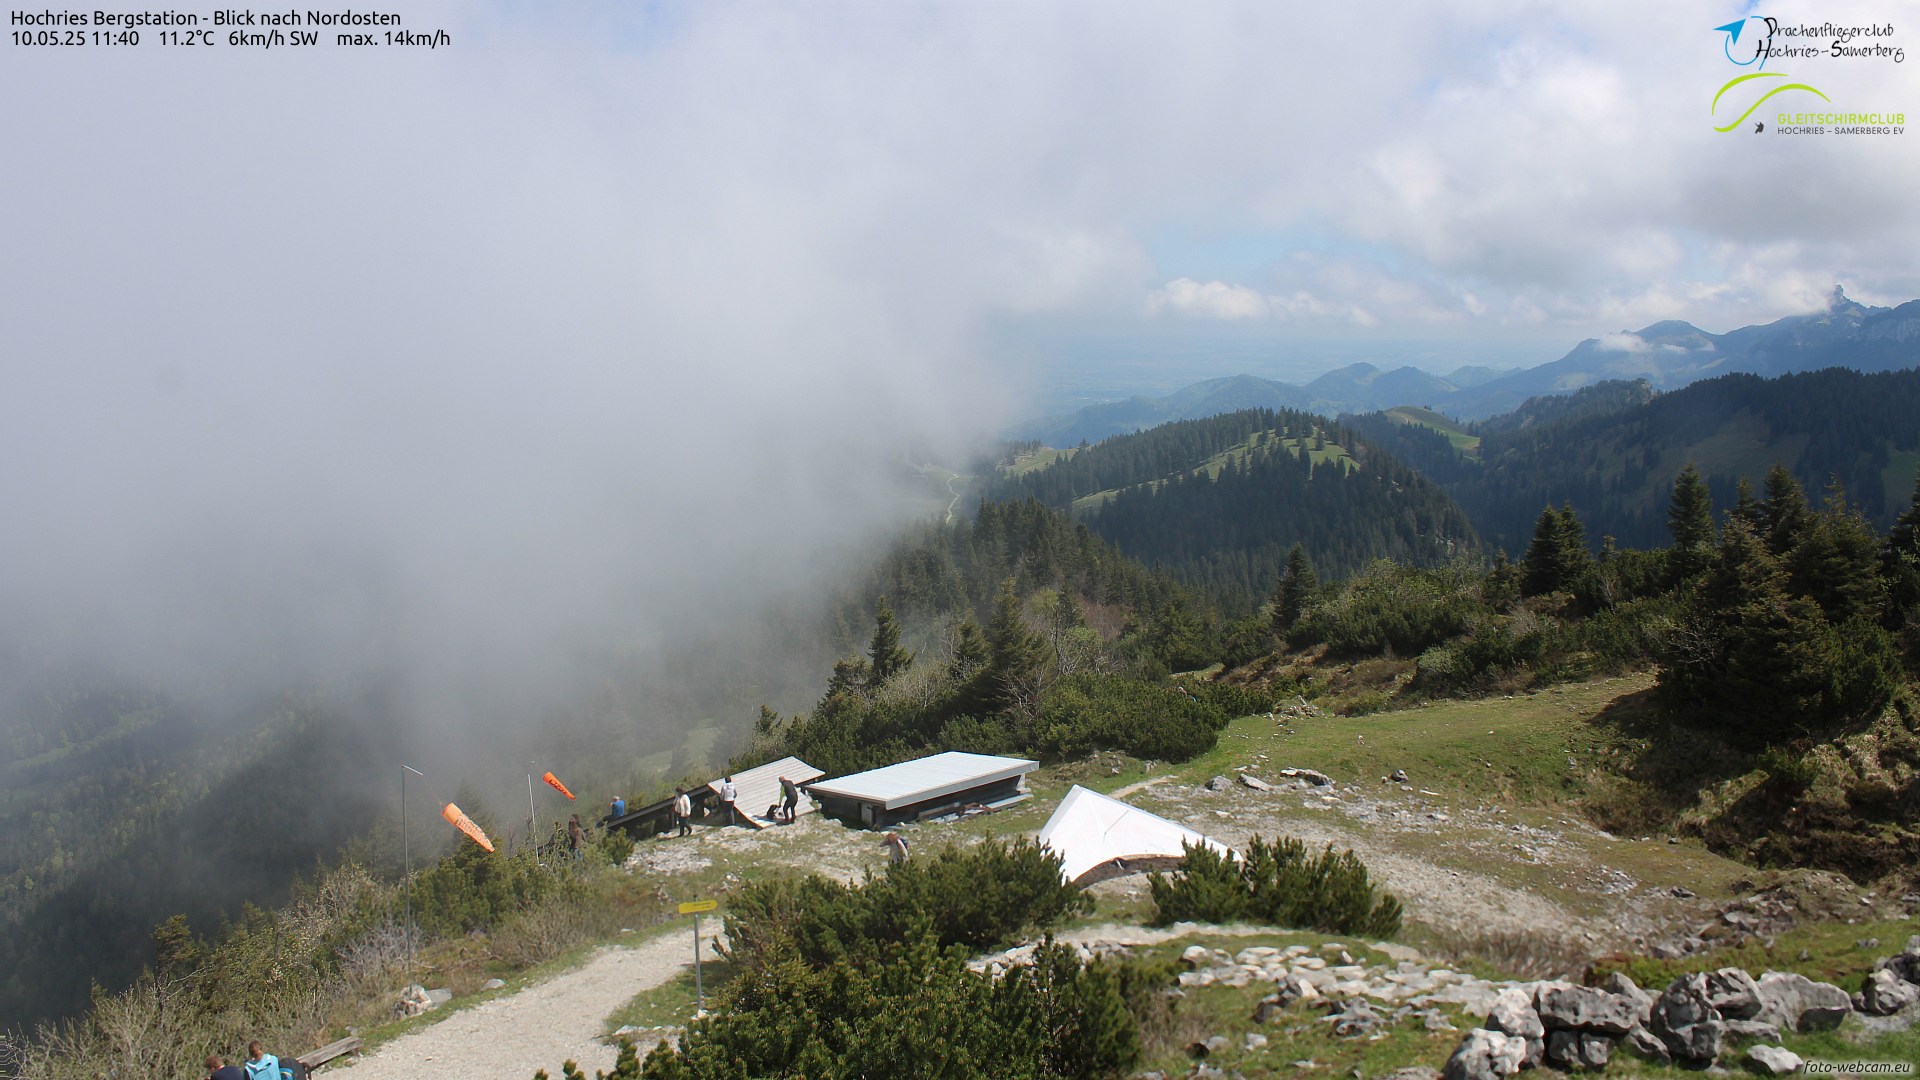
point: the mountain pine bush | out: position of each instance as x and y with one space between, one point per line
1277 883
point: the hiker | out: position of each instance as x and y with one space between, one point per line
728 796
260 1064
576 837
618 809
218 1069
789 799
897 852
682 810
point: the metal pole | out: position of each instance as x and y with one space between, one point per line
406 849
699 988
533 822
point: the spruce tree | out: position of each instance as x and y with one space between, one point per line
1558 557
1690 520
1014 652
1297 587
1900 564
885 657
1836 561
1748 656
1747 508
1785 511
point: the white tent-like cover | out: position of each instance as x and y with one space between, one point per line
1098 837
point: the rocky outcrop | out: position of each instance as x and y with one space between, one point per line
1686 1021
1571 1051
1794 1002
1586 1008
1886 993
1513 1014
1485 1055
1773 1060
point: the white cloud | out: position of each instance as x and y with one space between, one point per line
1208 299
1622 343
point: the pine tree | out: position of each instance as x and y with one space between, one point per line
1747 508
1785 511
1749 656
885 657
1836 561
1900 563
1690 520
1014 652
1558 557
1297 587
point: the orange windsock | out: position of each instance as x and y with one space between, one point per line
458 818
554 782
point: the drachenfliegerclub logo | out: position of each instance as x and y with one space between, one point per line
1743 87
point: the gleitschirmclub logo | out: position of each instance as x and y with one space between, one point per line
1802 107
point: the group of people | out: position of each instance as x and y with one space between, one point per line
259 1065
681 810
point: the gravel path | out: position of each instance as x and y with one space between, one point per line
510 1037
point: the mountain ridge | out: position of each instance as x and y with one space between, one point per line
1668 354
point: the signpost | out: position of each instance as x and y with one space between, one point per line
694 908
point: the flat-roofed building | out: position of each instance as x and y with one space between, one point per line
923 788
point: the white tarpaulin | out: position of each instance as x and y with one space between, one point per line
1089 831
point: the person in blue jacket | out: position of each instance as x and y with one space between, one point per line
260 1064
618 808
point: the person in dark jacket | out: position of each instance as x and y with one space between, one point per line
218 1069
789 799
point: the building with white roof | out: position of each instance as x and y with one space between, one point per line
922 788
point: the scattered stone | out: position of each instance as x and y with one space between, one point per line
1213 1044
1435 1020
1253 1041
1513 1014
1647 1045
1255 782
493 984
1681 892
1195 956
1774 1060
1353 1018
1585 1008
1311 776
1572 1050
1733 994
1794 1002
1398 776
1753 1029
1414 1072
1619 985
1685 1019
1886 993
1485 1055
1219 783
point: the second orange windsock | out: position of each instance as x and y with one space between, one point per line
554 782
458 818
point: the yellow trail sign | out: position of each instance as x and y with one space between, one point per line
693 907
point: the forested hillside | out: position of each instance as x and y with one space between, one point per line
1218 502
1614 451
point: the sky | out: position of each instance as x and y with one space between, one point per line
601 316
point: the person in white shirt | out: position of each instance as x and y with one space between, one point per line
683 811
728 796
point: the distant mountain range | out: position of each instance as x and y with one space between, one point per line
1668 355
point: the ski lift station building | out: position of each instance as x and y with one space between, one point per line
923 788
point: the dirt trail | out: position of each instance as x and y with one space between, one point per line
510 1037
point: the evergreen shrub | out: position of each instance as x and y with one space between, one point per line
1278 883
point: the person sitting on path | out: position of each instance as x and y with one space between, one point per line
728 796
